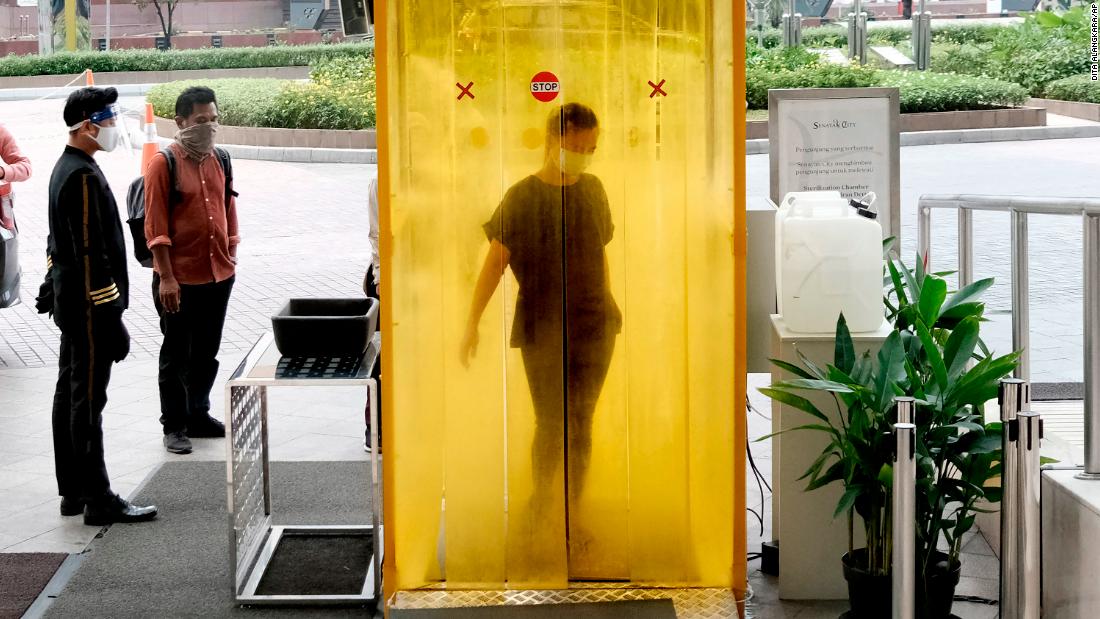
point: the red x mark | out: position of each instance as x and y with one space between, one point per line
657 89
465 90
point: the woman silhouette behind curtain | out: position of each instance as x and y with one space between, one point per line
551 228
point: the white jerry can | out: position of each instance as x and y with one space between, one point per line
828 261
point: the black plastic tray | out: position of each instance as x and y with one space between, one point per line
325 327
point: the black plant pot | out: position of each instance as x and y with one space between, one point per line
941 580
870 596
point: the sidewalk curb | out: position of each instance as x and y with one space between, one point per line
972 136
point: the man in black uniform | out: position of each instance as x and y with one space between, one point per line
88 257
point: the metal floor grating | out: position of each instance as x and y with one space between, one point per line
690 603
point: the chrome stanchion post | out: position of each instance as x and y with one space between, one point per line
1028 541
1092 347
1021 331
792 27
904 520
905 407
1014 396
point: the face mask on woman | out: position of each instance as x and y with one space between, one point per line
573 164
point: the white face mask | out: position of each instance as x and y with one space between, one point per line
573 164
108 138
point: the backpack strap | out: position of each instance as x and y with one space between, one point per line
227 168
173 191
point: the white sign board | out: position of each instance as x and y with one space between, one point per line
837 139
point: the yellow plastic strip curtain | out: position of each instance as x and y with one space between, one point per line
491 481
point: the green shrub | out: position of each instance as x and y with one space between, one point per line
965 59
944 92
71 63
825 36
340 95
759 81
782 59
241 102
1077 88
963 33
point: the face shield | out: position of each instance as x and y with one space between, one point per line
113 137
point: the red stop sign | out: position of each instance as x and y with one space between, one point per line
545 86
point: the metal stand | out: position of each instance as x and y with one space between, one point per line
792 27
253 538
1029 541
1015 395
904 516
857 33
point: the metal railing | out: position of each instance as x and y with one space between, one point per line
1018 209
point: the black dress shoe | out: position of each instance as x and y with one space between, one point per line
206 426
177 443
72 506
113 508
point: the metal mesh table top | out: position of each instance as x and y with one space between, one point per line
264 365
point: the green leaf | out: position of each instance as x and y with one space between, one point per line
844 355
960 346
847 500
968 294
794 401
899 286
891 368
886 476
932 294
814 385
790 367
935 360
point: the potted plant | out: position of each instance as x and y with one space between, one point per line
935 355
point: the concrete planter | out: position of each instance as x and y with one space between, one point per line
948 121
283 138
156 77
1074 109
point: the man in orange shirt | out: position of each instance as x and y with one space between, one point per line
192 233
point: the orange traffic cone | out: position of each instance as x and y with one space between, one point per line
89 79
150 147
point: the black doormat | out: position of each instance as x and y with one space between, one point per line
1046 392
635 609
318 565
23 575
178 565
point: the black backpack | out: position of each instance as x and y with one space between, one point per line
135 201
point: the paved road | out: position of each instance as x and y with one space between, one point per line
303 229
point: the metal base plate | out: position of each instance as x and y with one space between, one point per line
1087 476
249 596
690 603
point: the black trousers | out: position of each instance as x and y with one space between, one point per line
565 383
189 353
79 399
